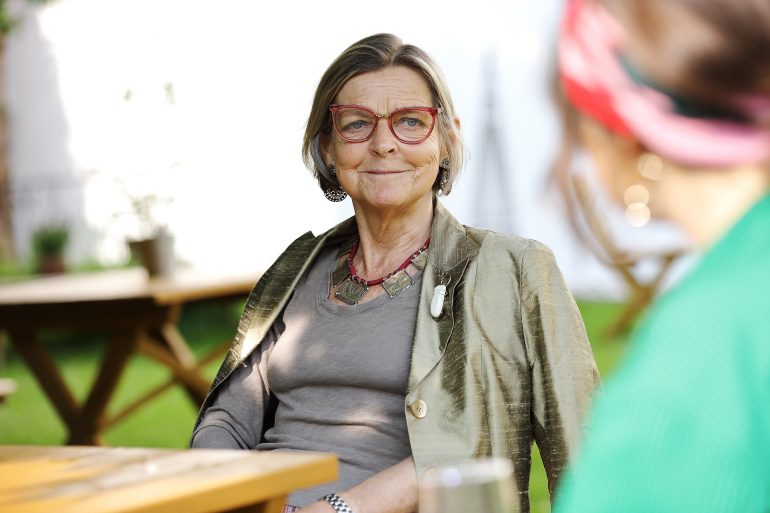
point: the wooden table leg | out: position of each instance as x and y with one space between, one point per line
121 346
185 364
641 295
187 373
178 346
39 361
193 378
169 334
639 299
3 345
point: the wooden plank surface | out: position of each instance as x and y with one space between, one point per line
124 284
132 480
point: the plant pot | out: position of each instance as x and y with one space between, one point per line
51 264
155 254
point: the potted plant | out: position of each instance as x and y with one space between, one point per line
153 246
48 244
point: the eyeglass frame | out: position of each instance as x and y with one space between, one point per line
433 111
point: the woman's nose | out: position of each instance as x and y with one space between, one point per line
383 141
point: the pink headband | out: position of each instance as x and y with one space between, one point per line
596 83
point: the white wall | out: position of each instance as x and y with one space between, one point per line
228 148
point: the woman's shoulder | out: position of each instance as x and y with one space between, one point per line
499 245
528 263
481 243
339 233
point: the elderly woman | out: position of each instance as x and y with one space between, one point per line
400 339
672 97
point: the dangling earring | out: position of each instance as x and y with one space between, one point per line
443 180
637 197
650 166
332 191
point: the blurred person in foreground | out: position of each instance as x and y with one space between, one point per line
674 96
400 339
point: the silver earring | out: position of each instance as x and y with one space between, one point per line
443 180
331 190
650 166
637 197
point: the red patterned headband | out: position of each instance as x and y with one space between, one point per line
597 84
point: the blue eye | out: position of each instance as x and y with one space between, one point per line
409 122
355 125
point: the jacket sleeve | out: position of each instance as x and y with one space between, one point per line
564 374
237 415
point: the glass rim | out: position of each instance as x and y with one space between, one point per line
433 111
467 472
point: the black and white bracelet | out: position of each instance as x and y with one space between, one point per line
337 502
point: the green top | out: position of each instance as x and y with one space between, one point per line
684 424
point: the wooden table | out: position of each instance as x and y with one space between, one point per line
119 480
140 315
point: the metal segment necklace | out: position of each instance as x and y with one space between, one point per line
354 287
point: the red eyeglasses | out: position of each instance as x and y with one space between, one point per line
410 125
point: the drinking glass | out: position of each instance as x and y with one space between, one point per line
470 486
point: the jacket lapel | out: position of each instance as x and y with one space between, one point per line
447 262
283 279
273 291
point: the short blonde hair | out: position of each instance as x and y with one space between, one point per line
374 53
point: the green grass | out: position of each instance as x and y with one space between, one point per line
28 418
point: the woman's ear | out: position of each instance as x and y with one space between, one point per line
324 144
452 138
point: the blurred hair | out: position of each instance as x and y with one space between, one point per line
374 53
712 52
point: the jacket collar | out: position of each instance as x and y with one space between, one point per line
448 241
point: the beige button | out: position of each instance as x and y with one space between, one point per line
419 408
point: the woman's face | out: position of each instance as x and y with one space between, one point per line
384 173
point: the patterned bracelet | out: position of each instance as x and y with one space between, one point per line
337 503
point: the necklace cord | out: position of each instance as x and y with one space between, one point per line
370 283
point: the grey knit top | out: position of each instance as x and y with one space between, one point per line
339 374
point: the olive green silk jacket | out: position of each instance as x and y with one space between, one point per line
507 362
